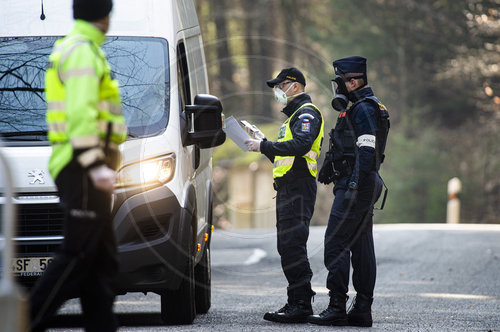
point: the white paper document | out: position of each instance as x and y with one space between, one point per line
236 133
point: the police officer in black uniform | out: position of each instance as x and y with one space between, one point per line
357 147
294 156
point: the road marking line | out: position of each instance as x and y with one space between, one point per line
439 296
456 296
439 227
255 257
237 256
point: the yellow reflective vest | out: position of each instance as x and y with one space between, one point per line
282 164
83 101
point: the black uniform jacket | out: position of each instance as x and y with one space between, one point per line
363 117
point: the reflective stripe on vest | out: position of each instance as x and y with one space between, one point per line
85 142
90 156
115 109
282 164
77 72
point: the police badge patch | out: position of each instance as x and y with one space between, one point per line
281 135
306 126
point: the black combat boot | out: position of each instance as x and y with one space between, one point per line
295 311
334 314
360 313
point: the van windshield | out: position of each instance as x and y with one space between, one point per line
140 64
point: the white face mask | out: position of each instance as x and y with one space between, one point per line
280 95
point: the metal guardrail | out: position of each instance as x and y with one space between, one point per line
8 225
13 303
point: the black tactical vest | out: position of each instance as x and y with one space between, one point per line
343 138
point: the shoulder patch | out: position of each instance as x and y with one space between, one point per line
306 115
306 125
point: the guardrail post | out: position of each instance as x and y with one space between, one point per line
13 302
453 207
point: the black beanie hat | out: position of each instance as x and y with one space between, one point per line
91 10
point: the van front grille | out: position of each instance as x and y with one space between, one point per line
39 220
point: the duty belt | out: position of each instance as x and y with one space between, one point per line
342 169
288 177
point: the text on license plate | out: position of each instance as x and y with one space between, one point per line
30 266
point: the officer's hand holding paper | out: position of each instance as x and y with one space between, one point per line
253 131
256 135
247 139
253 145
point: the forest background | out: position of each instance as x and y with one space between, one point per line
435 64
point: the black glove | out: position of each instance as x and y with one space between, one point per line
350 195
326 173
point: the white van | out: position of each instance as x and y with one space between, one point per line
162 207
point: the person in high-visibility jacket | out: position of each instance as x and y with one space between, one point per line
294 156
85 125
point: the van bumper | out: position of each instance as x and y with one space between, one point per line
152 231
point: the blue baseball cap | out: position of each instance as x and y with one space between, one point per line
352 64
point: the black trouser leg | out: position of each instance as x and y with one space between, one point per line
295 207
47 295
97 295
87 258
97 304
364 264
337 254
292 237
351 231
363 251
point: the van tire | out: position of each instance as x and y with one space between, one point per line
178 306
203 279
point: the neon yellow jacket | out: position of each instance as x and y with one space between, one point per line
84 106
282 164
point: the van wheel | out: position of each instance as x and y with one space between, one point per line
178 306
203 279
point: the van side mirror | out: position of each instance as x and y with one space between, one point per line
205 120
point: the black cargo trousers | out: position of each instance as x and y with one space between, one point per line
295 200
349 237
86 262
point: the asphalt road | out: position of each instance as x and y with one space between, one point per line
430 278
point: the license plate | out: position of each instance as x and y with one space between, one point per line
30 266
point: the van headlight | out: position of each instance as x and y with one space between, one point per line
147 172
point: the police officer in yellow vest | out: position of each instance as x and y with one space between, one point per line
85 127
295 156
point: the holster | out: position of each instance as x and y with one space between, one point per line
342 167
112 154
